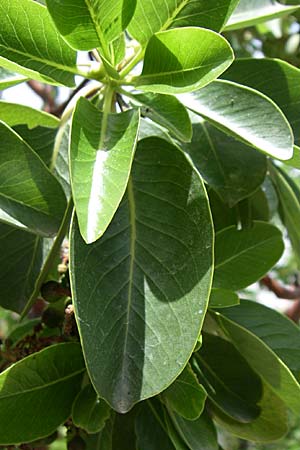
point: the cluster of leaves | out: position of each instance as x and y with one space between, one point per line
166 168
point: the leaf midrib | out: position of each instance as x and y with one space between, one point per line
45 386
43 61
237 255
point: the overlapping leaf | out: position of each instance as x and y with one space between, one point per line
36 394
264 362
174 64
251 12
244 256
276 330
167 111
87 24
154 16
8 79
223 298
246 114
141 291
28 191
31 46
15 114
290 204
101 153
224 162
20 261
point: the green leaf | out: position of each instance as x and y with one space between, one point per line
270 425
13 114
30 45
183 59
223 298
154 16
177 441
36 393
151 430
199 434
244 256
88 411
153 267
290 206
60 158
87 24
264 362
276 79
295 160
223 216
40 139
251 12
20 262
28 191
244 113
101 153
8 79
167 111
186 396
276 330
230 382
224 162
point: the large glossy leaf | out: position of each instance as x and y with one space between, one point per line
88 411
40 139
290 206
270 425
199 434
186 396
150 427
140 320
230 382
224 162
223 298
20 261
183 59
244 256
244 113
15 114
154 16
28 191
31 46
36 393
251 12
60 158
276 330
87 24
101 153
264 362
8 78
274 78
167 111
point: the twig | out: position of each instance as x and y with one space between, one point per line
291 292
45 92
60 109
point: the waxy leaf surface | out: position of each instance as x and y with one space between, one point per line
183 59
154 16
264 362
224 162
28 191
251 12
36 393
20 261
276 330
244 256
88 24
101 153
31 46
246 114
14 114
141 291
186 396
